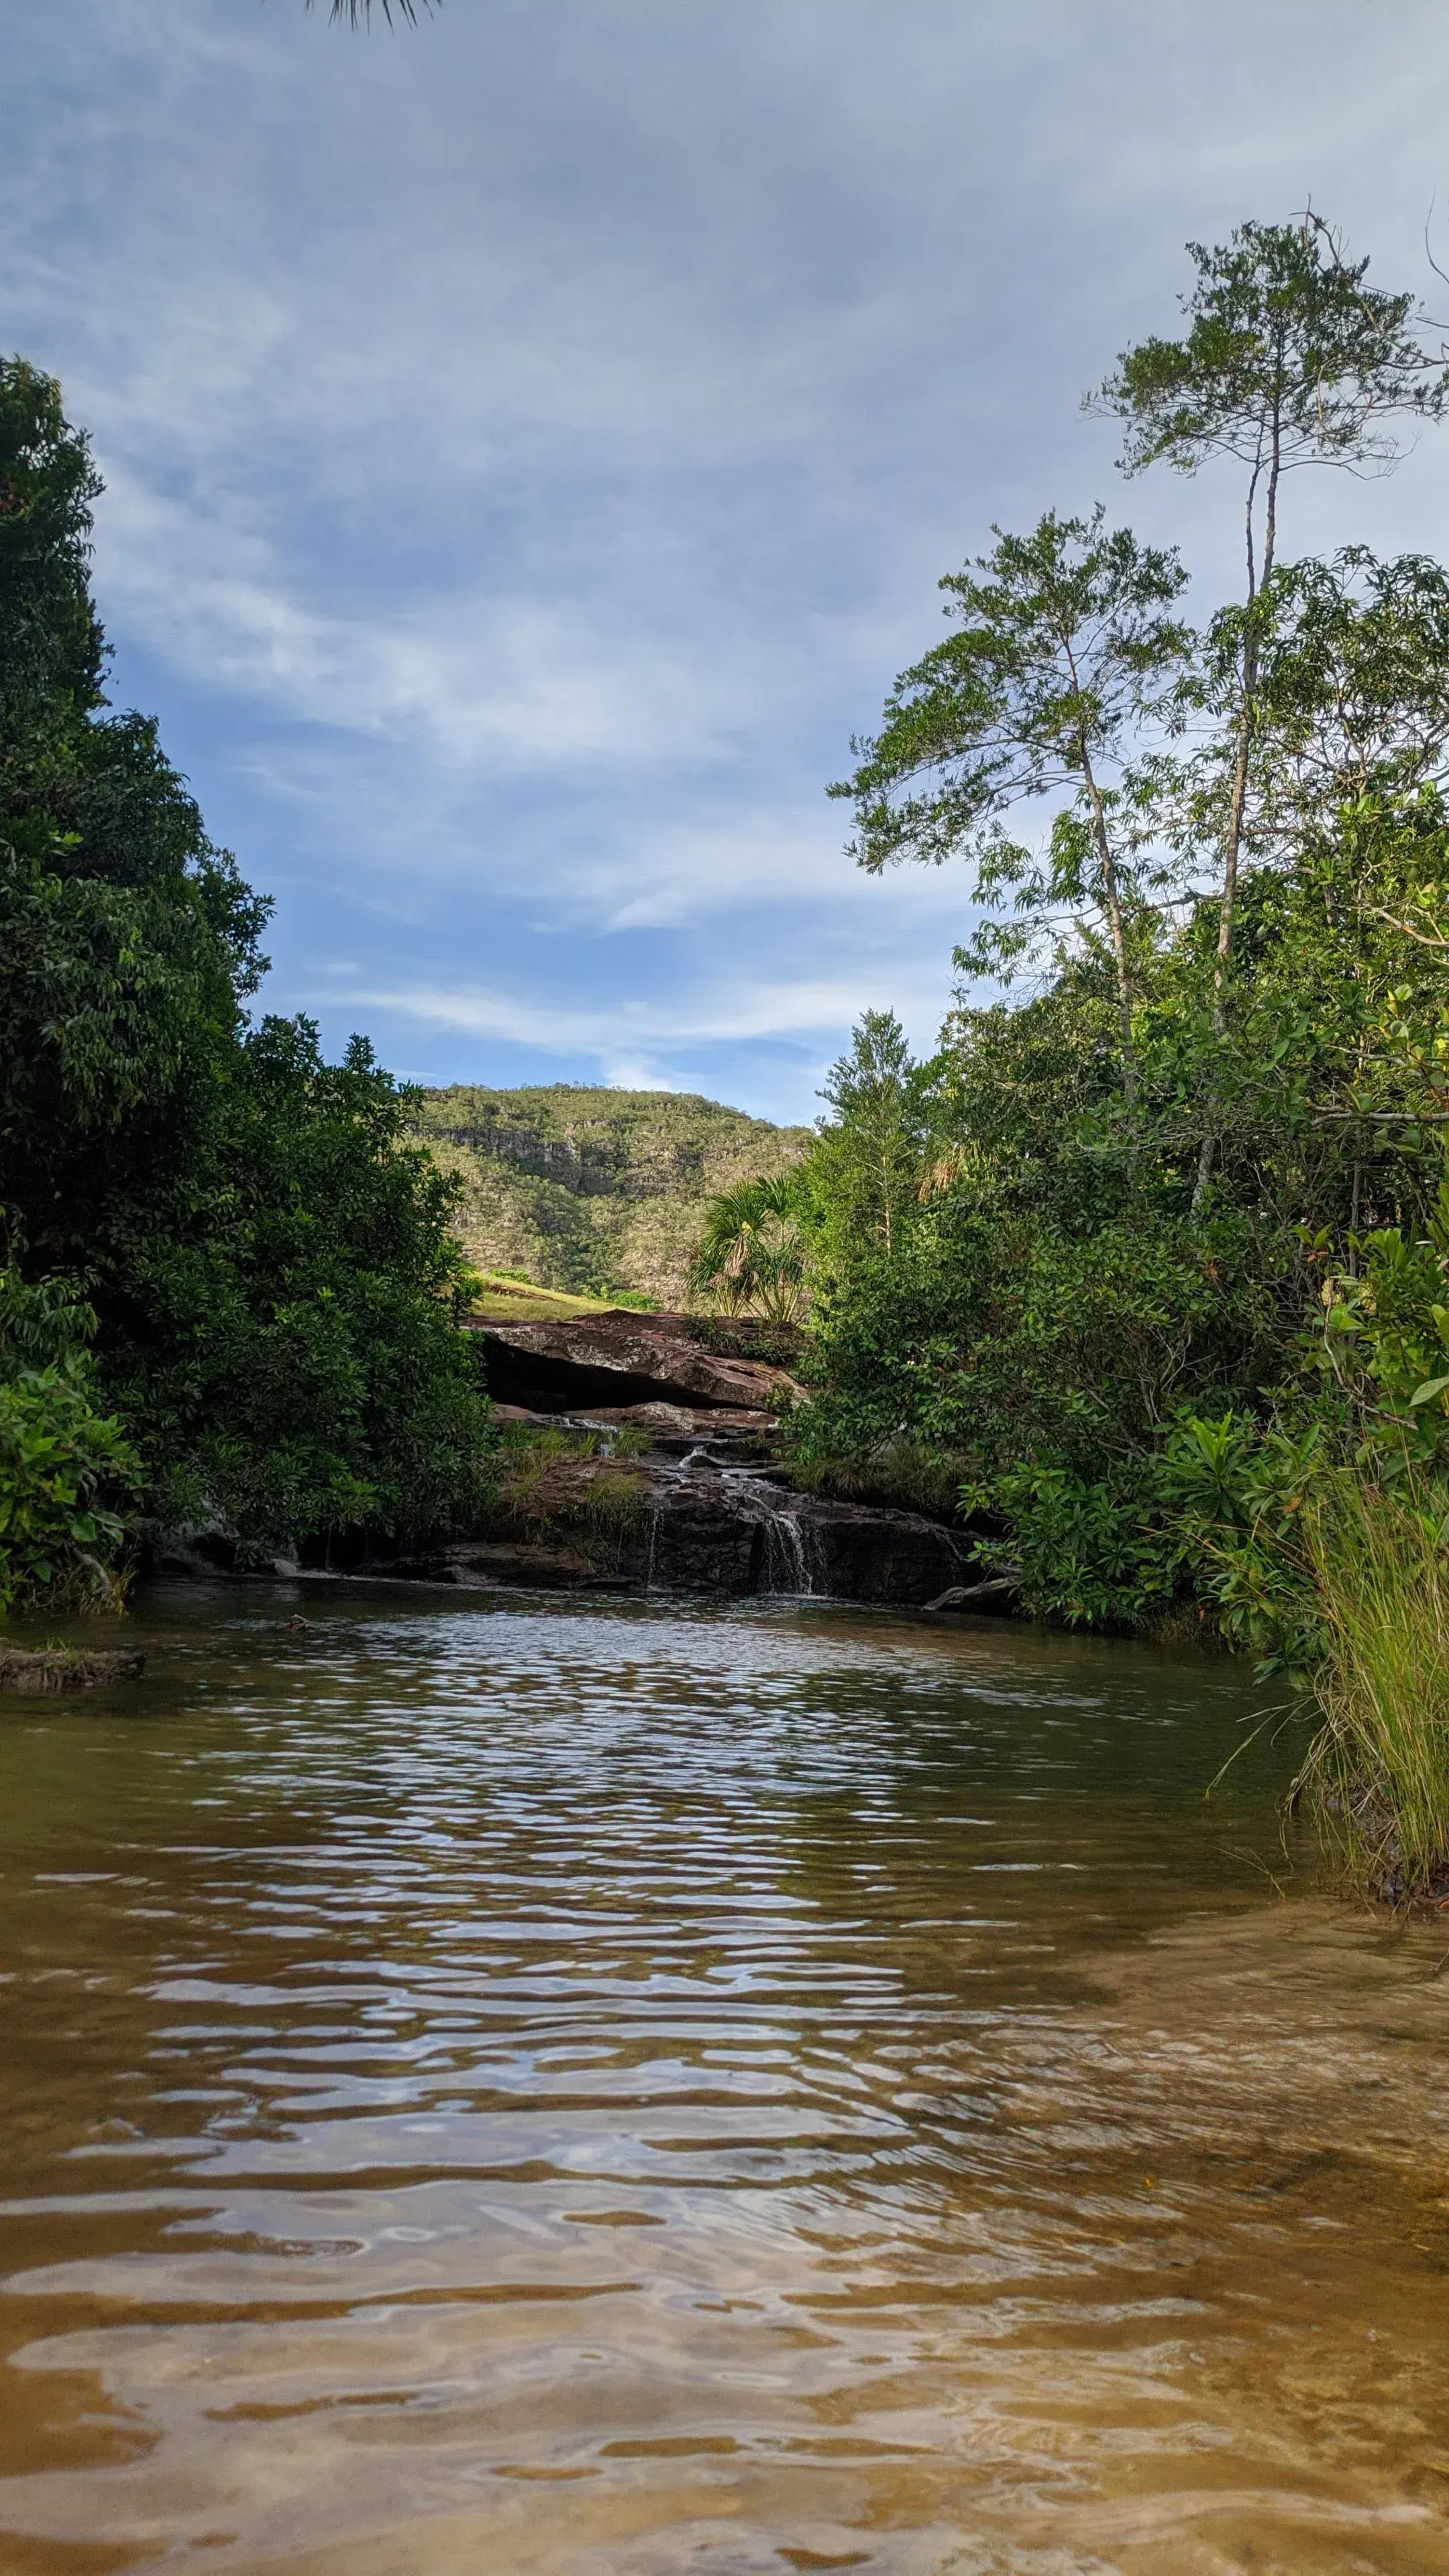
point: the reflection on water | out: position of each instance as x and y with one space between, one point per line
613 2092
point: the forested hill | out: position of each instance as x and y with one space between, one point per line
591 1189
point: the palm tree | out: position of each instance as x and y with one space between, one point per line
751 1255
358 13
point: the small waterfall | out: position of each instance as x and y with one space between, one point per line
791 1560
792 1555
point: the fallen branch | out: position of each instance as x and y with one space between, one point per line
960 1596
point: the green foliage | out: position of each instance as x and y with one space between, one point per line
1177 1262
1377 1773
294 1361
67 1471
898 1472
271 1267
1066 651
1289 358
874 1158
50 639
573 1486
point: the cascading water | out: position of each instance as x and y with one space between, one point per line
791 1555
790 1561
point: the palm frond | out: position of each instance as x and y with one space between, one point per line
358 13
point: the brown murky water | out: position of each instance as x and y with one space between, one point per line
496 2087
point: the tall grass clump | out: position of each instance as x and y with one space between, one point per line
1376 1776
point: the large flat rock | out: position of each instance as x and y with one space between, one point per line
621 1360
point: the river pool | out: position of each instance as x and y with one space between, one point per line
494 2087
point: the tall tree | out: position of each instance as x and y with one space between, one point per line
1065 651
875 1153
1290 359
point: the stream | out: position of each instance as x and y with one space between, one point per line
495 2086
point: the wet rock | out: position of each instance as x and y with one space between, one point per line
195 1551
536 1565
700 1524
547 1568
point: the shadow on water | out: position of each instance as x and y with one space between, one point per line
596 2088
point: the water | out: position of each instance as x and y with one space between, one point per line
612 2091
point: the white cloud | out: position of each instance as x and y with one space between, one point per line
528 463
740 1011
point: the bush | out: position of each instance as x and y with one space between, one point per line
67 1471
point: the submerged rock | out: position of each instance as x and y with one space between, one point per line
65 1668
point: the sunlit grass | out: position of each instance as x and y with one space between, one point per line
502 1297
1376 1777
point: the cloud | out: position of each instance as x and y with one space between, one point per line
529 463
494 681
725 1015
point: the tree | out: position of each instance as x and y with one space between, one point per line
51 647
1065 653
876 1153
1352 693
67 1470
1342 821
272 1272
358 13
1290 359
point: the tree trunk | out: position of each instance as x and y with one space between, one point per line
1112 893
1238 800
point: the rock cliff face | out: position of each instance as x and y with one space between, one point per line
703 1523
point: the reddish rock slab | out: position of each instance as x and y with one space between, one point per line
621 1360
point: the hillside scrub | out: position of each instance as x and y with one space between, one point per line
592 1191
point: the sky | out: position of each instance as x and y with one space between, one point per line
532 440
